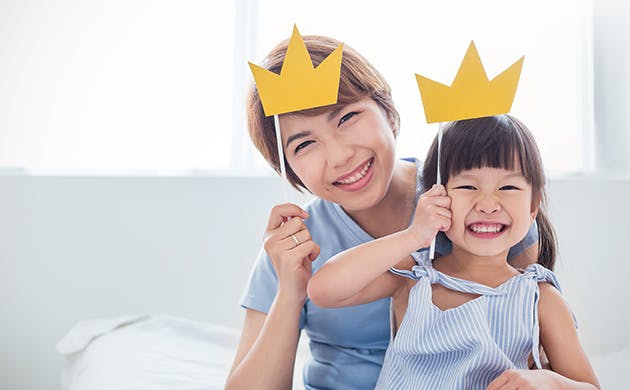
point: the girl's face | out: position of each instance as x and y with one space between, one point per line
345 156
491 210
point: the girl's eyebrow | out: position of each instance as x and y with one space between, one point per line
472 176
293 137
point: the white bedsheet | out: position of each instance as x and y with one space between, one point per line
165 352
149 352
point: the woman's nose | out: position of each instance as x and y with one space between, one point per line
487 204
339 154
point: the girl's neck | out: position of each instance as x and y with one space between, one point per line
491 271
393 212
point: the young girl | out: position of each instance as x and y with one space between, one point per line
468 319
345 155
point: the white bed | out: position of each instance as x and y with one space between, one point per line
165 352
151 352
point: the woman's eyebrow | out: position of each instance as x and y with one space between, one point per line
333 113
295 136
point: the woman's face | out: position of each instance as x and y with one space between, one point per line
345 156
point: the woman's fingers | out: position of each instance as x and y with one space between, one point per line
283 212
306 250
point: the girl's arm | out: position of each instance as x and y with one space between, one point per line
558 336
361 274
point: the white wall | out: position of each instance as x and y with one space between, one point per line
73 248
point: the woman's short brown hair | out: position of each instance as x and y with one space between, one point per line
359 79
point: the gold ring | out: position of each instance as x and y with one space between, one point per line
297 242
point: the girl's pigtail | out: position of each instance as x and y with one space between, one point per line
547 242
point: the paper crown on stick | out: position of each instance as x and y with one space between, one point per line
471 95
299 85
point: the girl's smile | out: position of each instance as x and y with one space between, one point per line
486 230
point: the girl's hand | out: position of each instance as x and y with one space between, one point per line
432 215
526 380
288 243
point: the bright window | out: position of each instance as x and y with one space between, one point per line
157 86
401 38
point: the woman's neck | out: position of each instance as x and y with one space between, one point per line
491 271
393 212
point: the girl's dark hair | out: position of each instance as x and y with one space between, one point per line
496 142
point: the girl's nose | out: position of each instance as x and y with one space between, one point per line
487 204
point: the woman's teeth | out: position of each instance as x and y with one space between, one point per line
358 176
479 228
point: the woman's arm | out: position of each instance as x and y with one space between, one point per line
266 352
558 336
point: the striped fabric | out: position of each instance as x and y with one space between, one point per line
465 347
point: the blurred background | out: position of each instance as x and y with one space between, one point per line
128 183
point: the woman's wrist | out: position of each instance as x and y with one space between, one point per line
289 300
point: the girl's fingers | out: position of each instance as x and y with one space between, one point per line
436 190
498 383
283 212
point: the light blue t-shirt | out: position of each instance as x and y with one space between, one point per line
347 344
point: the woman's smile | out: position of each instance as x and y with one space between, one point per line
357 179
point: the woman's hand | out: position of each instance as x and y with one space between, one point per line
432 215
288 243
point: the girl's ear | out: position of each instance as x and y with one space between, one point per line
537 200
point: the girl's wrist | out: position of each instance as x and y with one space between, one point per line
412 242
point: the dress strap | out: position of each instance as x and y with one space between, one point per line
539 273
424 270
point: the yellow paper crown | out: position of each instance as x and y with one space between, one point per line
471 95
299 85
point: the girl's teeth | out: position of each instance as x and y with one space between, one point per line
486 228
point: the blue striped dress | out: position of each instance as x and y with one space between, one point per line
468 346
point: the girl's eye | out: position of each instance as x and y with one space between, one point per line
303 145
510 187
465 188
347 117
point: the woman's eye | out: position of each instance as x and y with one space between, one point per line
303 145
347 117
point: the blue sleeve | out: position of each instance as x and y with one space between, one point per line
262 286
443 244
530 239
